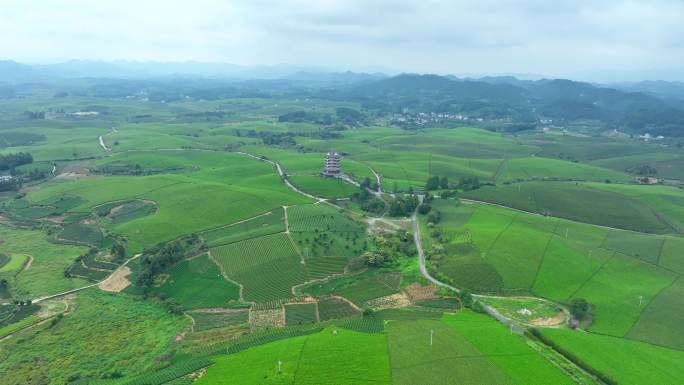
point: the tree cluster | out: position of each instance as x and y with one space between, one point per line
403 206
10 161
163 256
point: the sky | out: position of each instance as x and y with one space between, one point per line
552 38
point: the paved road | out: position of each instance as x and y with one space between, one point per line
423 270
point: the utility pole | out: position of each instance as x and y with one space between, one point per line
431 333
280 366
641 298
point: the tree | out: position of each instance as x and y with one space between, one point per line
579 308
434 217
432 183
424 208
373 259
444 182
466 298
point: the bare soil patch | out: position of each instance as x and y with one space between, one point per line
117 281
416 292
393 301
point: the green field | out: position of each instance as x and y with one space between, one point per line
301 313
271 222
628 362
590 203
266 267
135 334
278 287
198 283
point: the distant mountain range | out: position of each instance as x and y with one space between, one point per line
650 106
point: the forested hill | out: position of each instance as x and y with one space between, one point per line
493 98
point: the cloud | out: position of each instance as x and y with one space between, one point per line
533 36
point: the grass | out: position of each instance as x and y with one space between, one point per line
13 262
343 357
24 322
198 283
46 274
513 308
135 334
267 267
300 313
628 362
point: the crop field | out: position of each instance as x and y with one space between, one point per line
205 320
278 288
662 321
376 286
581 202
320 217
301 313
450 357
132 210
186 202
88 234
271 222
266 267
333 308
198 283
628 362
620 290
323 187
344 357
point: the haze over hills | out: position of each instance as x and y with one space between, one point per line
655 107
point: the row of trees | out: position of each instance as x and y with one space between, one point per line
464 183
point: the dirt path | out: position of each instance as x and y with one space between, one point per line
377 179
28 263
102 143
40 299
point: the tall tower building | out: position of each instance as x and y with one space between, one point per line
333 165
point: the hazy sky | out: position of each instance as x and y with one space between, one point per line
554 37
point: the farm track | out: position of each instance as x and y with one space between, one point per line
423 270
40 299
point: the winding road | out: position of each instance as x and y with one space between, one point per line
423 270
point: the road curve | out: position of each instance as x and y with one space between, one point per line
423 270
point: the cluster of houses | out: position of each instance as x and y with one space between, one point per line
427 118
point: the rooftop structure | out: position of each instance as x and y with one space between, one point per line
333 165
